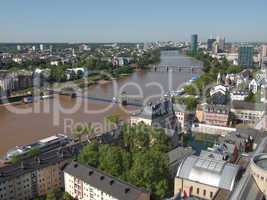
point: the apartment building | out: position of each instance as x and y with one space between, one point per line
35 176
50 177
19 188
87 183
14 81
183 116
248 112
217 115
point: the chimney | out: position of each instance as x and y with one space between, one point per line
91 172
126 190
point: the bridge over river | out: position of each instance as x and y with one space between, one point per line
122 99
174 68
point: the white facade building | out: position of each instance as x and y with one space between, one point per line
238 95
87 183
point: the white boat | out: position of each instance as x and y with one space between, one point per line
47 97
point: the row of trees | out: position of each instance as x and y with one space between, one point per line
56 195
149 58
139 159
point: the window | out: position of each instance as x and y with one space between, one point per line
211 194
204 192
197 190
191 189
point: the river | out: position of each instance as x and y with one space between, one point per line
53 116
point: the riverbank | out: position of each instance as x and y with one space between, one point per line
12 100
211 68
83 84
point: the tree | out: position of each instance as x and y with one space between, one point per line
33 152
114 119
140 158
233 69
150 170
51 195
79 132
159 140
190 89
83 130
114 160
15 159
189 102
90 155
67 196
251 97
161 188
58 74
140 137
254 98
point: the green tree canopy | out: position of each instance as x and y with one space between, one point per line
51 195
140 158
90 155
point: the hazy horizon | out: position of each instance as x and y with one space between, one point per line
125 21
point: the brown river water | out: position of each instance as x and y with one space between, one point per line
53 116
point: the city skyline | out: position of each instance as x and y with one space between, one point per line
126 21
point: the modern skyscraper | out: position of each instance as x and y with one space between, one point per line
264 58
194 43
245 56
221 44
41 47
210 43
264 51
18 47
51 49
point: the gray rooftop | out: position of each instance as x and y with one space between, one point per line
104 182
211 172
28 165
241 134
215 108
179 153
242 105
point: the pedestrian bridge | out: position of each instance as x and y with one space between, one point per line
123 99
173 68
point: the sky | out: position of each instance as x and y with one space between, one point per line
131 20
